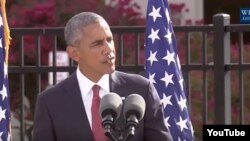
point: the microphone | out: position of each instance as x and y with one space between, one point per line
110 109
134 110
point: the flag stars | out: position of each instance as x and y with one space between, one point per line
179 139
1 133
152 57
181 83
167 79
178 62
167 15
182 103
164 70
168 36
1 21
169 57
3 92
152 78
182 124
167 123
154 35
166 100
155 13
2 113
191 128
5 67
1 43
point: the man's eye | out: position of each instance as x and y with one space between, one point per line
97 43
110 40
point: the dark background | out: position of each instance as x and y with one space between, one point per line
231 7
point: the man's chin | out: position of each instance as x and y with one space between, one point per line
111 70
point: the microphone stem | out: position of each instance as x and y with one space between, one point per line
131 131
132 123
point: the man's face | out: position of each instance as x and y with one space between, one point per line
96 52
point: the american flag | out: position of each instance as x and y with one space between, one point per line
163 69
4 84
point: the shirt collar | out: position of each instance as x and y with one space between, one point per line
86 84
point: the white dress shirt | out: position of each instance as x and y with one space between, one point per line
87 93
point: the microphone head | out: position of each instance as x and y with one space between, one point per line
134 105
110 104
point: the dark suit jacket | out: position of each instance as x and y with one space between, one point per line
60 114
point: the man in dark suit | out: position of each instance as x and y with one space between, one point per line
63 112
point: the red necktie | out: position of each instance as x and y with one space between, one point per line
97 128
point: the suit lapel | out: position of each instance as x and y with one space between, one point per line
84 131
117 84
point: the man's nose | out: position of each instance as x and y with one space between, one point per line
108 47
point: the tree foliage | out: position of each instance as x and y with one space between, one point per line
51 13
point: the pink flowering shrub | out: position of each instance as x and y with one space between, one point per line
55 13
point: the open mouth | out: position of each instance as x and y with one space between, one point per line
110 60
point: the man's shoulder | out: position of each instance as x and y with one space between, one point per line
129 75
60 87
131 78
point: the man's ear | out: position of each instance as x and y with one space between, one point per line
72 52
